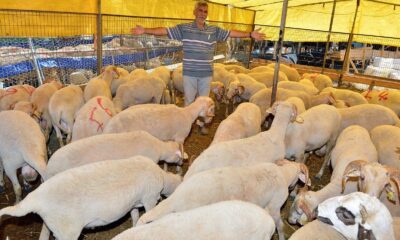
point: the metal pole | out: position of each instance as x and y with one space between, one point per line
251 40
99 38
39 73
329 35
347 53
279 50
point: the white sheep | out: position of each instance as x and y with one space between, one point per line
298 86
63 105
320 81
353 143
263 98
14 94
92 117
319 126
224 76
227 220
266 146
81 197
385 139
267 77
264 184
124 76
22 144
164 73
244 122
113 146
40 99
358 216
101 85
368 116
387 98
166 122
28 108
147 89
317 230
348 96
290 72
235 68
244 87
298 103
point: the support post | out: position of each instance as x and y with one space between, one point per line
348 49
99 38
329 35
278 50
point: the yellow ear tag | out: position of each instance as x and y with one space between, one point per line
390 196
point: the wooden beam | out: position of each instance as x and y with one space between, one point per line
353 65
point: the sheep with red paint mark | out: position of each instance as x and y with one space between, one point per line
14 94
387 98
92 118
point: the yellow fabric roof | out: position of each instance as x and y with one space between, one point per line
378 21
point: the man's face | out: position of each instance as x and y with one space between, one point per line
201 13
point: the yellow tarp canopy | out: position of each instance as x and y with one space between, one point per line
377 22
45 18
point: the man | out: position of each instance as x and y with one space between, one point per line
198 48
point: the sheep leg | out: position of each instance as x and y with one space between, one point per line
165 167
45 233
324 164
150 203
12 174
276 215
1 177
59 136
134 216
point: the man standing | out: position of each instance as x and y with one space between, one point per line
199 40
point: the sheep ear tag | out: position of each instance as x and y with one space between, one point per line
302 178
390 193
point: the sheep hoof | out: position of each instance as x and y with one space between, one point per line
318 176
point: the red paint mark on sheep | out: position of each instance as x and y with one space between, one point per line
9 91
91 118
107 110
383 96
29 89
367 95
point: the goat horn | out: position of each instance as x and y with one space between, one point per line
351 167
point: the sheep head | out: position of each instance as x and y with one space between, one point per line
218 89
303 207
207 108
303 174
283 106
357 216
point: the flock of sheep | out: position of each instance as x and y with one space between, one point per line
113 134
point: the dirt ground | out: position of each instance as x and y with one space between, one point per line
28 227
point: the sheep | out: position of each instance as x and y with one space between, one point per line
264 184
227 220
78 78
319 125
349 97
244 122
26 107
353 143
266 146
236 68
357 216
387 98
298 86
81 197
93 116
385 139
267 77
166 122
148 89
22 144
14 94
222 75
163 73
320 81
63 105
290 72
113 146
123 78
368 116
40 99
298 103
261 69
317 230
245 87
263 98
101 85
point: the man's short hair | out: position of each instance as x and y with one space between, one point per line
200 3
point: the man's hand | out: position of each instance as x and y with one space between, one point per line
257 35
138 30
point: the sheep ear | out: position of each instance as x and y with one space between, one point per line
363 213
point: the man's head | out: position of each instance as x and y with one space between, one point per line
201 11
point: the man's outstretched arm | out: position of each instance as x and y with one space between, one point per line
256 34
159 31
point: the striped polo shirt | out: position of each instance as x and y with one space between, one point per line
198 46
